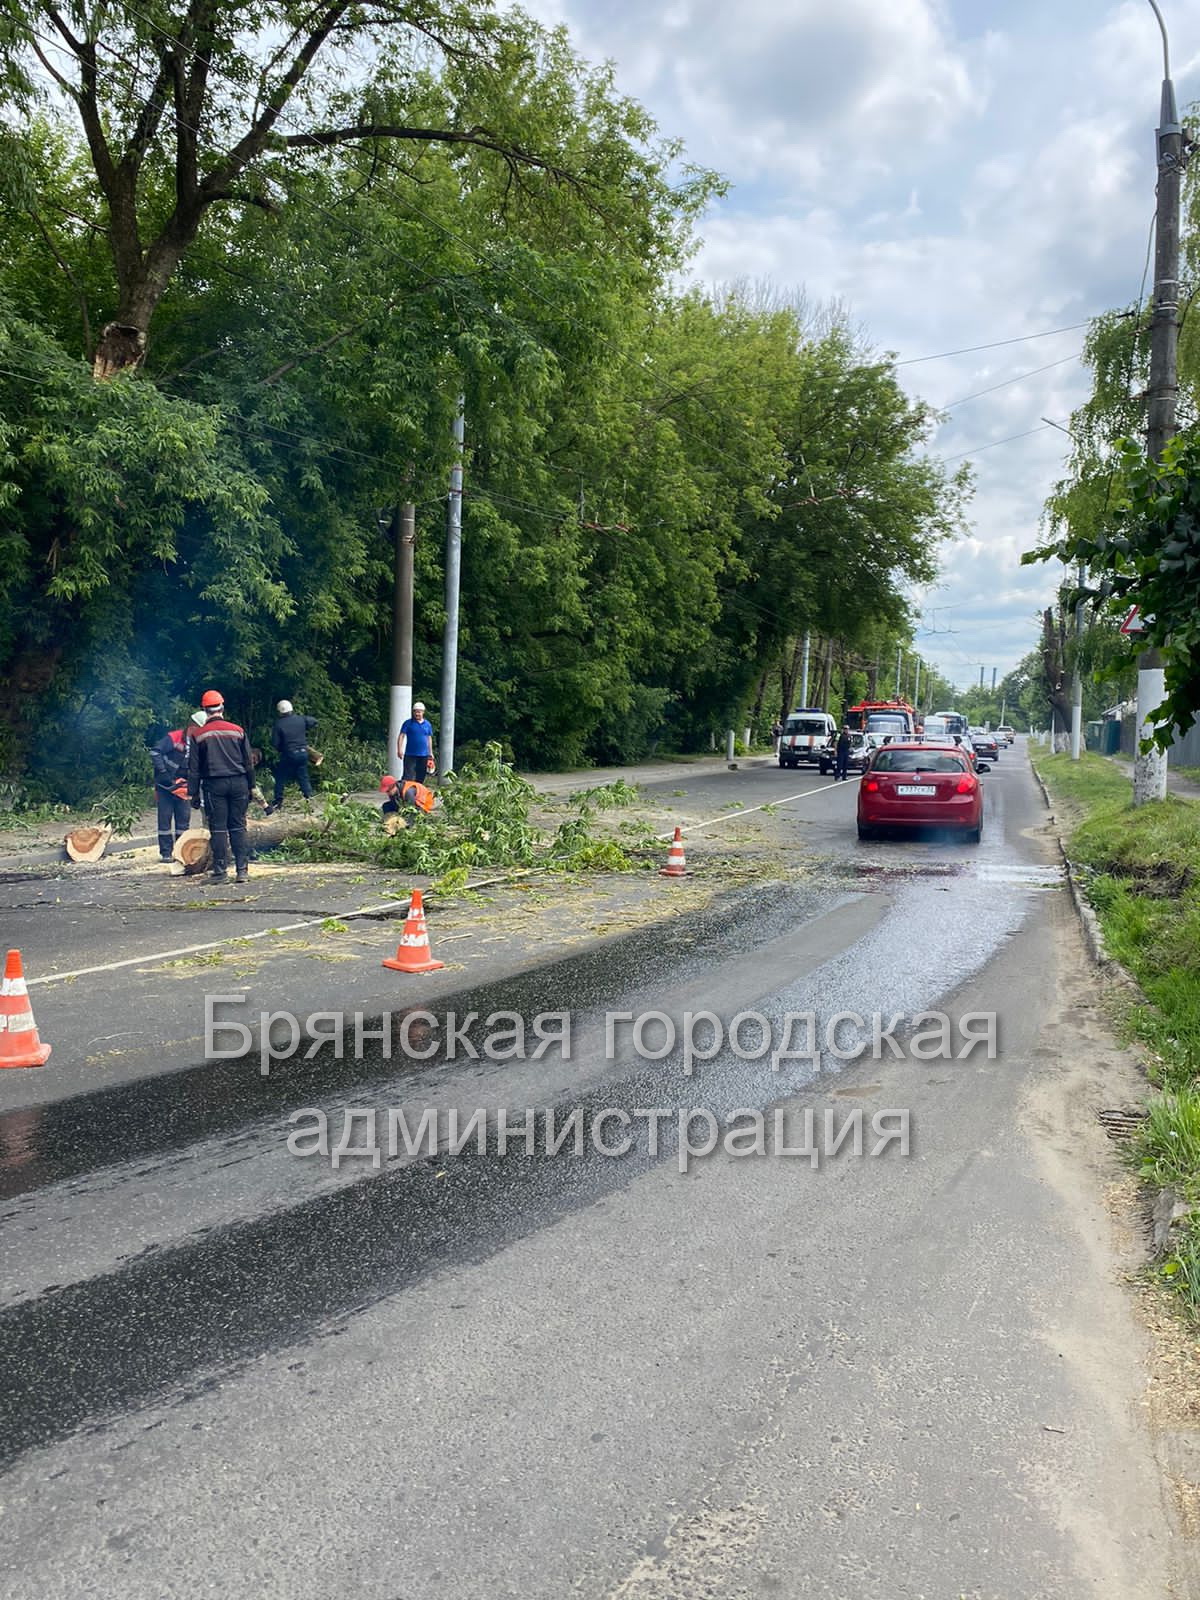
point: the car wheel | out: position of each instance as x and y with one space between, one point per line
866 833
975 835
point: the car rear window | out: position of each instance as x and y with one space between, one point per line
806 725
918 761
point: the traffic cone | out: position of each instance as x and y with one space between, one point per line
413 953
676 866
19 1042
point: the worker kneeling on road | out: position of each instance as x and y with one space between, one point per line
408 795
220 759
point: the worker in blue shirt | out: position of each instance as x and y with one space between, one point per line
414 747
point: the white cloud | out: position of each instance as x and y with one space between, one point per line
952 184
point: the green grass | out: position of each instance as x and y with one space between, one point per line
1141 872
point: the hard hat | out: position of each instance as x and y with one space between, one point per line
199 718
284 707
387 782
210 699
418 705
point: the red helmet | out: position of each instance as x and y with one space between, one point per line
210 699
387 782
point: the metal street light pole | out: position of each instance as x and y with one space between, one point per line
1150 771
453 566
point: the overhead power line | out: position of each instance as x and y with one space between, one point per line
970 349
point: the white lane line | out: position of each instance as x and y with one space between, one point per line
731 816
212 944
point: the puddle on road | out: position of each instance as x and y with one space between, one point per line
1012 874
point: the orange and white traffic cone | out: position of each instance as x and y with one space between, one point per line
413 953
676 866
19 1042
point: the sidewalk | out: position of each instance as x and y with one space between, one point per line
1185 788
42 843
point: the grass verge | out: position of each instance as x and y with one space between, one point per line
1140 870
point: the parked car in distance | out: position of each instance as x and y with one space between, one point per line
921 786
985 744
805 735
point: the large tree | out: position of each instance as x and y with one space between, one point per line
191 110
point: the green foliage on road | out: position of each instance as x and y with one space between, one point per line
1142 875
482 820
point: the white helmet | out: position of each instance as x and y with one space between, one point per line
199 718
284 708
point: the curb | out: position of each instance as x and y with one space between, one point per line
1093 934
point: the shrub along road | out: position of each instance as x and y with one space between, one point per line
227 1367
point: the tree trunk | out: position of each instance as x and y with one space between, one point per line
787 679
1054 672
756 717
122 342
827 675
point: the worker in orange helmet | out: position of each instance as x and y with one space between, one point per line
220 758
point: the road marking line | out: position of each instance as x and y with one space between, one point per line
213 944
822 788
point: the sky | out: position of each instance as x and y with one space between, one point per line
955 172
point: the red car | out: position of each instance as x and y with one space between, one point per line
921 786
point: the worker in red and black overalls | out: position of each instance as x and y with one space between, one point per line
220 759
170 758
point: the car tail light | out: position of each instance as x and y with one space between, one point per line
871 785
964 786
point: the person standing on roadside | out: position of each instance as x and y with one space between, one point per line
170 758
415 745
221 761
776 734
290 738
841 761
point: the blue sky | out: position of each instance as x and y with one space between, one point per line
954 172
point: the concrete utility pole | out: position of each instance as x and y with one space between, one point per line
899 659
1150 771
453 568
917 687
404 531
804 668
982 669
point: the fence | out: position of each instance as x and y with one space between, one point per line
1185 752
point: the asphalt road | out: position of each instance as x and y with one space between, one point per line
229 1370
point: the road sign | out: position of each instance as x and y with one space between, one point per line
1134 622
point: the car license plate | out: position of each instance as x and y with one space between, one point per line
916 788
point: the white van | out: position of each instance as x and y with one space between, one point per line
805 734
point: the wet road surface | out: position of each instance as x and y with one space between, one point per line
228 1369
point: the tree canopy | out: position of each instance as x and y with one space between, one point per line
665 487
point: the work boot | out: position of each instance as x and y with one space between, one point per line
219 876
241 876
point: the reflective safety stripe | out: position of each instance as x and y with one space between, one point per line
21 1023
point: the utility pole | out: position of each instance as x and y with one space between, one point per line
1150 771
993 680
899 659
804 669
404 531
917 687
981 672
453 568
1077 679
